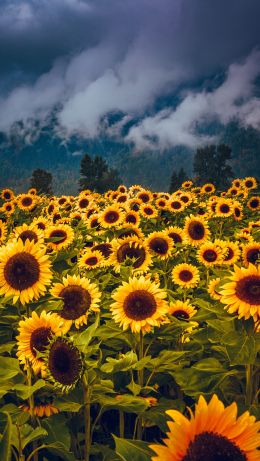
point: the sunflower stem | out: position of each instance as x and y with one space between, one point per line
86 390
249 385
121 424
31 407
141 383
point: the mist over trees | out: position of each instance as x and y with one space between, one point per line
211 164
96 175
41 180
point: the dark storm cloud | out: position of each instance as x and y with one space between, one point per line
92 57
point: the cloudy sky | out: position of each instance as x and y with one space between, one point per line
86 59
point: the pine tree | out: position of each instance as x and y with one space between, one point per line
96 175
41 180
177 179
211 165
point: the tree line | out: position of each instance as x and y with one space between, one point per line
210 164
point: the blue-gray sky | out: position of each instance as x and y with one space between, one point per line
88 58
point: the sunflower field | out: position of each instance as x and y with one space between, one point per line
129 327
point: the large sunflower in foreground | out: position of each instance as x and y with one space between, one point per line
79 297
213 433
35 333
25 271
139 304
242 293
64 364
196 230
185 275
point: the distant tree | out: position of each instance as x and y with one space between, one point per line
211 165
96 175
41 180
177 179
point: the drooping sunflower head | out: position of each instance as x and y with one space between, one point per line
25 271
196 230
131 251
79 298
59 236
160 244
242 293
7 194
111 216
213 433
185 275
35 333
210 254
63 363
251 253
139 304
91 260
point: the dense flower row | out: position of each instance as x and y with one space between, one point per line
174 274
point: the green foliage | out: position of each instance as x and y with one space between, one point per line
41 180
96 175
177 179
212 164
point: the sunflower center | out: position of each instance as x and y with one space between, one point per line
254 203
253 255
159 245
41 225
27 201
84 203
58 234
139 305
131 219
176 205
64 363
185 275
125 251
7 195
91 261
208 189
144 197
184 198
22 271
28 234
209 446
40 339
237 212
249 183
76 301
229 255
224 208
196 230
210 255
248 289
148 211
181 315
175 237
104 248
111 217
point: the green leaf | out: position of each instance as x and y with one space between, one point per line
32 434
165 361
134 388
8 368
57 430
5 442
126 402
124 363
133 450
83 339
24 391
243 351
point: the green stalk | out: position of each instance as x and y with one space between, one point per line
31 407
86 391
139 431
121 424
249 385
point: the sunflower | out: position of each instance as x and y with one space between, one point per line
196 230
139 304
213 433
64 364
254 203
134 204
237 183
132 217
224 208
237 210
111 216
105 249
7 194
41 223
145 196
30 232
8 208
210 254
186 198
79 298
182 310
129 230
122 198
187 184
159 244
26 202
242 293
25 271
41 409
3 231
61 236
134 189
35 333
91 260
148 211
233 191
122 189
83 203
185 275
207 189
250 183
212 289
128 248
93 222
231 251
176 234
251 253
175 205
32 191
